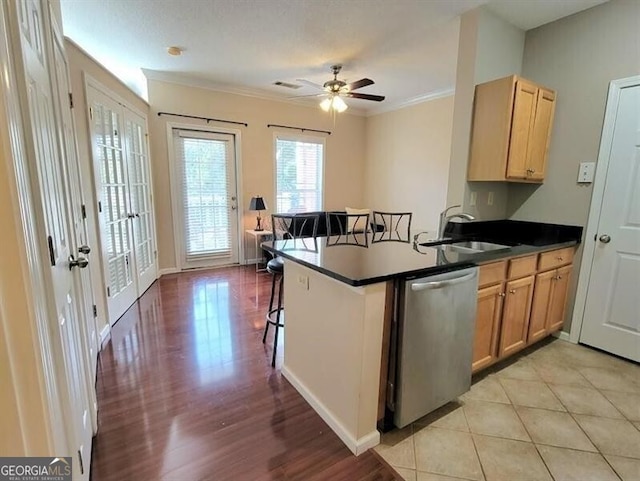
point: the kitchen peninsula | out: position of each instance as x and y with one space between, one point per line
341 302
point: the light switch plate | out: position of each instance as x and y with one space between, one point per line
586 172
490 198
473 196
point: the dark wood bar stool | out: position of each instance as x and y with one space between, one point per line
284 226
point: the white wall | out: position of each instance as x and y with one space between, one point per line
489 48
407 153
577 56
344 149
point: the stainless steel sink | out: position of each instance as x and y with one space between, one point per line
471 247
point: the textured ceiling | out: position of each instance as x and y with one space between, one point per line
409 47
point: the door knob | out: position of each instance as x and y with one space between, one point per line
605 239
84 250
80 262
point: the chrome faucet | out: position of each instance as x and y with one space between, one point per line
444 219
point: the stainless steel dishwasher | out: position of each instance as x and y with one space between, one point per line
435 342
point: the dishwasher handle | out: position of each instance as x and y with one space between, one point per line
420 286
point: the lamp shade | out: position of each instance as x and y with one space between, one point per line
257 203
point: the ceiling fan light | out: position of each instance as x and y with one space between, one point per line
339 105
326 104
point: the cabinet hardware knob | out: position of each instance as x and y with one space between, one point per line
559 277
512 291
559 258
502 294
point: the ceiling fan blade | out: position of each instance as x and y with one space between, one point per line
355 95
310 84
358 84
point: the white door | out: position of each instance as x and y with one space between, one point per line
82 279
612 310
114 210
58 222
206 197
137 154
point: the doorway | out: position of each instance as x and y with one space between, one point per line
609 287
205 198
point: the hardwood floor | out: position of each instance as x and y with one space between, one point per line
186 392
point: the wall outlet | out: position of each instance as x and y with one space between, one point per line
586 172
490 198
473 196
304 282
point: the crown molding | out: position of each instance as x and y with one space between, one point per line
174 78
390 107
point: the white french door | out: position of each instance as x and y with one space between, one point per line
137 152
110 171
125 207
612 309
206 198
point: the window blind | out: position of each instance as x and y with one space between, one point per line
299 179
206 185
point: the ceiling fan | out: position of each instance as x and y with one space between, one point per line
335 89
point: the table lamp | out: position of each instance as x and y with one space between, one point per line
257 203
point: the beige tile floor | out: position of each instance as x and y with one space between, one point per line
560 412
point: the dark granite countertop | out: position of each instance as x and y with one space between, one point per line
367 258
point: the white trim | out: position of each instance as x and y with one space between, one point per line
392 106
168 270
104 334
562 335
263 94
606 142
89 81
356 446
174 187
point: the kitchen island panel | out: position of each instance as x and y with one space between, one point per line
332 352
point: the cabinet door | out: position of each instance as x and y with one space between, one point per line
485 343
558 301
515 315
521 128
545 282
541 134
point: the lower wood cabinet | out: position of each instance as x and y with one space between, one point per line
489 312
549 302
540 307
515 316
520 301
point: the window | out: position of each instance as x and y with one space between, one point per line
299 168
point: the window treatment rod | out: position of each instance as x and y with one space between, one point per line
299 128
203 118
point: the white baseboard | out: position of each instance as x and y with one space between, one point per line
168 270
564 336
104 334
357 446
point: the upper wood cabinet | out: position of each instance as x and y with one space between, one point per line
512 123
